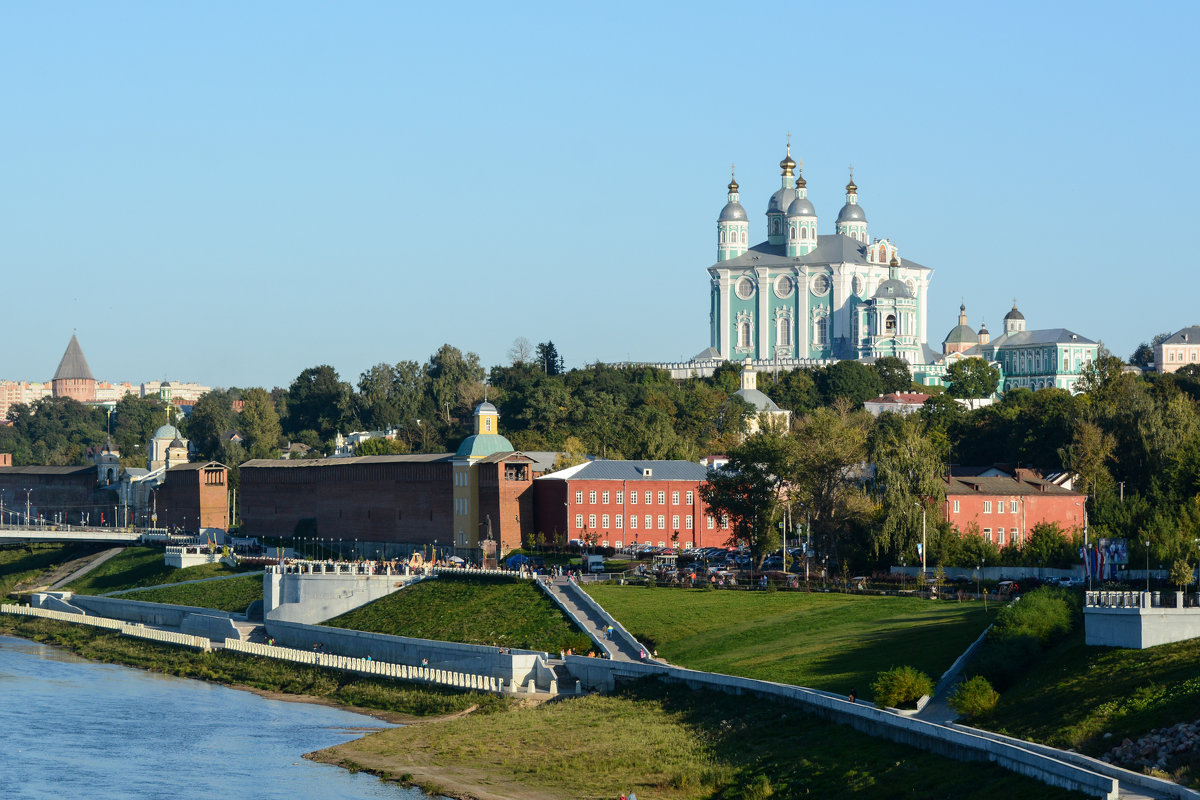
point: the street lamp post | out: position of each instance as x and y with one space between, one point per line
1147 566
922 539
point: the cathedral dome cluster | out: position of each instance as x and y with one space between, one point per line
806 295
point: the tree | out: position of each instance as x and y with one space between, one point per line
852 380
549 359
318 400
1143 356
379 446
572 454
894 373
1181 573
834 443
1088 454
908 477
211 418
749 489
972 378
259 424
521 351
448 370
1100 378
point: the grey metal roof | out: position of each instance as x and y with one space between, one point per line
781 200
305 463
801 207
851 212
1184 336
757 399
40 470
166 432
486 408
1014 314
893 287
632 471
732 212
961 334
1044 336
73 364
708 354
831 248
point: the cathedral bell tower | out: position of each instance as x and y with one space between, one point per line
778 205
851 220
733 227
801 221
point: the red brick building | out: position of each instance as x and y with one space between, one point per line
627 502
74 378
1007 507
195 495
69 495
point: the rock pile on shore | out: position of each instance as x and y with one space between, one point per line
1157 748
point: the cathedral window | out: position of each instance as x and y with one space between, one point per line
889 324
783 332
821 331
744 334
722 237
775 227
743 237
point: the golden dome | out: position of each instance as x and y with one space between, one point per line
787 165
733 184
800 182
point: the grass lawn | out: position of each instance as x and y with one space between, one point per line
1077 693
835 642
674 743
231 594
471 610
20 563
238 669
136 567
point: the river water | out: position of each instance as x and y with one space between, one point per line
76 728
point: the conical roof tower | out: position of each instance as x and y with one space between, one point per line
74 378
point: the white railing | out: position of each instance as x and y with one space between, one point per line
384 669
135 630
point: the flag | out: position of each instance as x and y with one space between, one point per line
1100 560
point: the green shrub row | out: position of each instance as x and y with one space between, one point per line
1022 630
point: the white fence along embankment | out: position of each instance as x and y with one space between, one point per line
120 626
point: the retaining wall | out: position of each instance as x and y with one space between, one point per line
191 620
602 674
313 597
1140 625
517 666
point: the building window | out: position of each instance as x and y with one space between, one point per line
674 522
1012 506
709 522
987 534
578 521
592 521
592 497
724 520
620 520
1000 536
987 506
821 331
618 544
674 498
955 506
744 334
649 522
620 498
649 497
662 522
889 323
604 521
633 522
662 498
691 498
604 497
604 543
579 497
687 522
632 497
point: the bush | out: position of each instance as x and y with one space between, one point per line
1022 630
900 685
974 698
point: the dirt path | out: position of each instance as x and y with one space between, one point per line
73 570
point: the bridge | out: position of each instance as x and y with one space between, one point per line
20 534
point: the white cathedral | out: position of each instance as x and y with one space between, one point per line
802 297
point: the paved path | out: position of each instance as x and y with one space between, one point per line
592 623
88 567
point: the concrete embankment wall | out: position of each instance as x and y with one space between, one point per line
517 666
124 628
192 620
313 597
602 674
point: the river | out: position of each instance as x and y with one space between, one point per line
76 728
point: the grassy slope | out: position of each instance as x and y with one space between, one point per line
473 611
19 563
827 641
232 594
243 670
1077 693
141 566
682 745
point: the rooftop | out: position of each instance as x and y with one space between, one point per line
632 471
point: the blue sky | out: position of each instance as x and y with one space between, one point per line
229 193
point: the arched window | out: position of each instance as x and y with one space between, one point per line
743 237
820 331
804 232
792 231
744 334
889 324
783 332
722 237
775 227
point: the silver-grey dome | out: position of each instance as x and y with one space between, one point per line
801 207
851 212
732 212
1014 314
893 287
962 334
781 200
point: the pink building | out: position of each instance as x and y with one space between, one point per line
1007 507
1178 350
627 502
